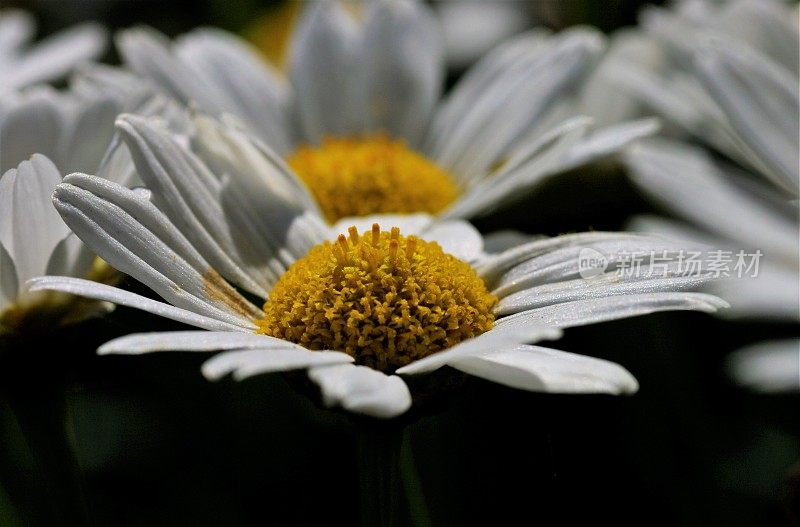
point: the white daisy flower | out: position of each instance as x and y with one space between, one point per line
45 133
22 65
366 313
737 92
35 241
360 119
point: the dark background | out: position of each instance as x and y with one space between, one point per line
156 444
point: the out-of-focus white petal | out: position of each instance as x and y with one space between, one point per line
768 366
325 51
471 28
403 68
55 56
32 126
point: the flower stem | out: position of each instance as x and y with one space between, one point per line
379 446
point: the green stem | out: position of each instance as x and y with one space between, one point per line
413 486
379 472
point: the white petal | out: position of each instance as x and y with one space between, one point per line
607 141
187 192
32 126
601 286
128 232
325 54
190 341
106 293
494 339
244 363
31 228
510 107
472 28
251 89
684 178
596 310
147 52
362 390
407 223
539 369
16 28
760 100
403 68
458 238
55 56
86 139
526 167
9 285
768 366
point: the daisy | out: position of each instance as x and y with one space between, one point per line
360 119
26 214
737 94
50 60
45 133
365 312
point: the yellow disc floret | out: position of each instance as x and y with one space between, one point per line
357 177
385 299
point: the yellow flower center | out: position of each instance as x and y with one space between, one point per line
358 177
383 298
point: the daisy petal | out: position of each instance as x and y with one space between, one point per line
768 366
187 192
29 216
55 56
495 338
127 231
362 390
140 343
9 285
608 140
685 178
324 62
539 369
249 85
596 310
32 126
244 363
760 99
106 293
403 67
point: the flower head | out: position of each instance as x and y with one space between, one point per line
377 71
398 305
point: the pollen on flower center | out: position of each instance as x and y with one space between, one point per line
383 298
358 177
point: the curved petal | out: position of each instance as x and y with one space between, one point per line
282 356
496 338
107 293
539 369
362 390
31 229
